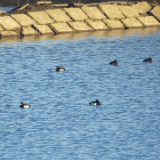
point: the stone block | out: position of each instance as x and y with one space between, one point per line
9 24
1 29
60 5
3 12
111 11
78 5
76 14
91 4
94 13
129 12
61 27
113 24
23 19
23 7
5 34
43 2
28 31
41 17
142 7
156 12
59 15
96 25
80 26
43 29
149 21
132 23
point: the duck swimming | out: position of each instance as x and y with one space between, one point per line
95 103
60 69
148 60
114 62
24 105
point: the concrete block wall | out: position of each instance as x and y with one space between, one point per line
83 18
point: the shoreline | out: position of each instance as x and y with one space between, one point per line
50 19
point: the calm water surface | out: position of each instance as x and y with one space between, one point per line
60 123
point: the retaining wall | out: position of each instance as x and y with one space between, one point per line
80 18
22 2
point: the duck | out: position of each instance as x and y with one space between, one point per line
95 103
60 69
114 62
24 105
148 60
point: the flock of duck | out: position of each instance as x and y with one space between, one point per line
96 102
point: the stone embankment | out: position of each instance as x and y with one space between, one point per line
47 18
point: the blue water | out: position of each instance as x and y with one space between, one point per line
7 9
60 124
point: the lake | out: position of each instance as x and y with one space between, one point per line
60 124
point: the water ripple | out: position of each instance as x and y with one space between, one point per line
60 123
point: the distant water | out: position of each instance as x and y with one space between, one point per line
7 9
60 123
